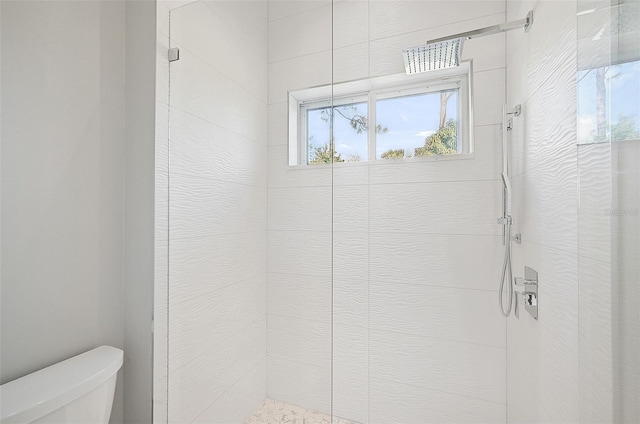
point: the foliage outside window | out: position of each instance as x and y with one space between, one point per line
608 107
387 118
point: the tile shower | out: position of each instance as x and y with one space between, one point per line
362 292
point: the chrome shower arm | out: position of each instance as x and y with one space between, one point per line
490 30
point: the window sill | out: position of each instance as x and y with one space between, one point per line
382 162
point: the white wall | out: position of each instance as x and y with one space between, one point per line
139 209
413 340
218 209
543 356
63 101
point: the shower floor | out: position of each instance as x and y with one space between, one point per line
275 412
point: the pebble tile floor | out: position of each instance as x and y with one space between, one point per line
275 412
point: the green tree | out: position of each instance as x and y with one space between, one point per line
323 154
393 154
625 129
442 142
357 121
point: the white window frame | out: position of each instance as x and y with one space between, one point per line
372 90
305 106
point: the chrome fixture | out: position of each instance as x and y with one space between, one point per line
432 56
506 278
445 52
529 291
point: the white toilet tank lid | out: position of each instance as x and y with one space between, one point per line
39 393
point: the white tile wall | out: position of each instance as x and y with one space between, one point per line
543 355
217 206
398 402
400 259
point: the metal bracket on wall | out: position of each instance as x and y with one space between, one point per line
174 54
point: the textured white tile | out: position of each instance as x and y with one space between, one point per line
597 319
202 206
350 23
351 208
350 255
299 296
301 34
557 290
472 262
452 367
201 90
247 20
294 74
299 340
162 16
160 308
537 58
451 314
350 173
394 402
202 264
203 33
351 301
597 404
204 379
162 62
596 199
389 18
162 140
278 125
160 409
488 96
299 383
550 128
548 206
282 175
237 404
300 252
195 326
281 8
522 398
548 364
351 63
202 149
301 209
437 208
350 372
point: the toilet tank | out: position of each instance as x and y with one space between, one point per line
79 390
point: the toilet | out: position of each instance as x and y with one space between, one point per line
78 390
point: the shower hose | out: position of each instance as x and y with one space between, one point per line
507 275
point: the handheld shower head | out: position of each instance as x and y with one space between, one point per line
440 55
507 186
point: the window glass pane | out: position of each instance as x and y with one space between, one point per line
417 125
350 134
607 103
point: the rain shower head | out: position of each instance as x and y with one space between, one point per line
440 55
443 53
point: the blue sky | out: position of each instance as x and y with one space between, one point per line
409 120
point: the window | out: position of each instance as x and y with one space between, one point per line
608 110
395 117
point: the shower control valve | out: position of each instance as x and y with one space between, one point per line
529 290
